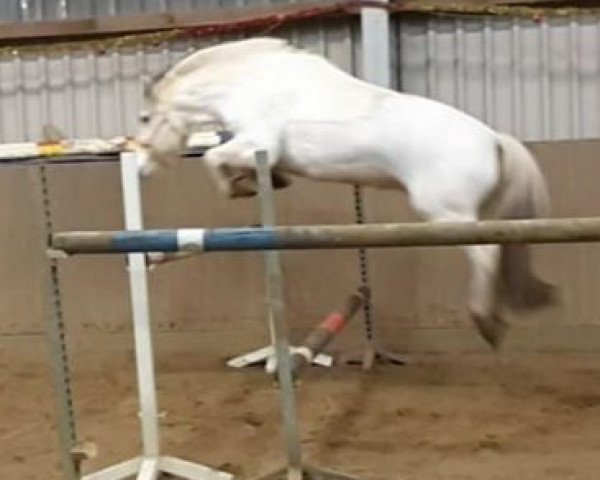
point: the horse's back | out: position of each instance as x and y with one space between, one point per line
324 120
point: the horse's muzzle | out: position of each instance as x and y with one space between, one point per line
147 168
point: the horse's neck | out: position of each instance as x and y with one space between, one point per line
292 87
223 56
228 53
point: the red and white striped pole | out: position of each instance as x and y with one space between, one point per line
316 341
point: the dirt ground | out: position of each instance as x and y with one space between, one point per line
450 417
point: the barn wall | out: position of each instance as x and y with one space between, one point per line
537 80
89 94
418 293
32 10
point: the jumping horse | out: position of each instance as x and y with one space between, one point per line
316 121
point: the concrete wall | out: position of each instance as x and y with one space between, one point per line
418 293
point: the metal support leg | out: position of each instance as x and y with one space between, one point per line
266 355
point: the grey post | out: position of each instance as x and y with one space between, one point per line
57 340
277 324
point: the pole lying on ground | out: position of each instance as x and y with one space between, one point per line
565 230
325 332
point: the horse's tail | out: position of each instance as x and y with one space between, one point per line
522 194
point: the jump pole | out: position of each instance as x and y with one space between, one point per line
321 336
314 237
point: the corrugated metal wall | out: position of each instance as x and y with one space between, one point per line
88 94
540 81
31 10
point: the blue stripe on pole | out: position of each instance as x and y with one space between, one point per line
228 239
146 241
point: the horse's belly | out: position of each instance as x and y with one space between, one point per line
336 151
361 174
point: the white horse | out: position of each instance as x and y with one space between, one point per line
316 121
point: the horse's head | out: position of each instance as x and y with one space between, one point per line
178 102
162 130
162 136
171 115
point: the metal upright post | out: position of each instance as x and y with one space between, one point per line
57 341
375 30
278 325
295 470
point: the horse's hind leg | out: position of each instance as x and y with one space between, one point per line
484 293
484 260
522 288
484 302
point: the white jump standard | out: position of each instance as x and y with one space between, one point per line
151 464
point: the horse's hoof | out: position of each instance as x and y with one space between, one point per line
536 294
279 181
241 194
242 186
492 329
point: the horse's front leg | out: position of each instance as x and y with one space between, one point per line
218 161
483 294
232 167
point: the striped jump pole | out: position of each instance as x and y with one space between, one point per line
322 335
559 230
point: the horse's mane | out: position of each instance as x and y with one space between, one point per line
229 51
